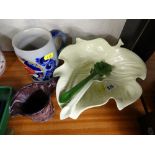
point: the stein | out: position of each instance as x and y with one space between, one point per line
36 49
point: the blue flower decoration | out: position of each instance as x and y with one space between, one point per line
49 65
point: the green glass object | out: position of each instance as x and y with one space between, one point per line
100 69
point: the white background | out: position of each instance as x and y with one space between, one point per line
85 28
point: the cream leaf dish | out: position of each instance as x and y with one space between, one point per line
94 72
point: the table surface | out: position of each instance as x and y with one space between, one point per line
105 119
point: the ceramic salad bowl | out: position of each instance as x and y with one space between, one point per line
120 85
2 63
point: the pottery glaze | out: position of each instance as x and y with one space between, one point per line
120 85
38 49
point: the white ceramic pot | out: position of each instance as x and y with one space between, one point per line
2 63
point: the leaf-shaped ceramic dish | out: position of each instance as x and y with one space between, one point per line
120 85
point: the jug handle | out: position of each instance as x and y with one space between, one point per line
63 36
